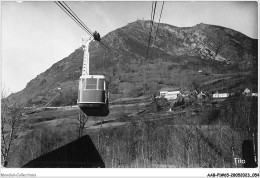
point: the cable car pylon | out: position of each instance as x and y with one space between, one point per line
93 96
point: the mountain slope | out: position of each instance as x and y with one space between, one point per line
223 55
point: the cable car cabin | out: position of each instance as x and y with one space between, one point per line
93 95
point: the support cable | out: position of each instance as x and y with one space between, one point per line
71 15
75 18
151 29
78 18
157 30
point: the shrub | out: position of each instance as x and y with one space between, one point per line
113 88
67 97
170 67
212 115
240 113
162 102
136 92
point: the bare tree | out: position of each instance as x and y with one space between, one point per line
100 133
82 118
11 114
4 91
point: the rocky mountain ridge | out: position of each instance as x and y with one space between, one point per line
174 53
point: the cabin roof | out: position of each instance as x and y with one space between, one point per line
92 76
170 89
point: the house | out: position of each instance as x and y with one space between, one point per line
220 95
255 94
201 95
247 92
163 93
169 93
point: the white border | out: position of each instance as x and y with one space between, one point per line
125 172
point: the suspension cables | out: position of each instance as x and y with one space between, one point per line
153 10
157 28
151 29
159 21
75 18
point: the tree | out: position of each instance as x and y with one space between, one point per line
11 113
82 118
100 133
30 148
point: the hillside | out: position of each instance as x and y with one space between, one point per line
226 58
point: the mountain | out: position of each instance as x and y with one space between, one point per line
203 57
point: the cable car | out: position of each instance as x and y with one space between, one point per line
93 96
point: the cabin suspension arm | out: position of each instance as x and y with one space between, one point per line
85 46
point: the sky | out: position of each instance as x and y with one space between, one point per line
37 34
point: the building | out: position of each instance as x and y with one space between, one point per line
255 94
247 92
220 95
163 93
169 93
201 95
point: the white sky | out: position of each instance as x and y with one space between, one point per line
36 35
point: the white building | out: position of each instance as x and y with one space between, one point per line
220 95
169 93
255 94
246 92
163 93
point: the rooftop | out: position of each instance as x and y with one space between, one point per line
170 89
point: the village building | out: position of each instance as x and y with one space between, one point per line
220 95
247 92
163 93
169 93
201 95
255 94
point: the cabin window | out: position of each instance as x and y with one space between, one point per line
91 84
80 84
83 83
101 84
